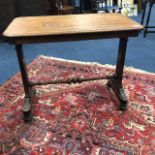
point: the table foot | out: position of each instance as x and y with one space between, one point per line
123 105
27 116
120 93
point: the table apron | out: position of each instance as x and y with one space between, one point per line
71 37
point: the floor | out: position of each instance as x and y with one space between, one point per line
140 52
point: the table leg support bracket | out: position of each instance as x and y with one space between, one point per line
120 93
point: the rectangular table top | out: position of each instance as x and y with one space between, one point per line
36 26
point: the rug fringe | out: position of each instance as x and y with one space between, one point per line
126 68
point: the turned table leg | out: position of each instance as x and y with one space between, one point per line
27 89
116 80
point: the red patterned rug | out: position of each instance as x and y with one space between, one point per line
78 118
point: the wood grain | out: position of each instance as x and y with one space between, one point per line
69 24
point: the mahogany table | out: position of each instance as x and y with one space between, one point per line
39 29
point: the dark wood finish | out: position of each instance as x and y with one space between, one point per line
121 59
22 65
26 84
116 81
67 28
71 37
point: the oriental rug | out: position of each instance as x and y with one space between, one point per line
78 118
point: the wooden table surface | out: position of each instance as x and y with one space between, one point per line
69 24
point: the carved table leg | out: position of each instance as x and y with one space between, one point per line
116 80
27 89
